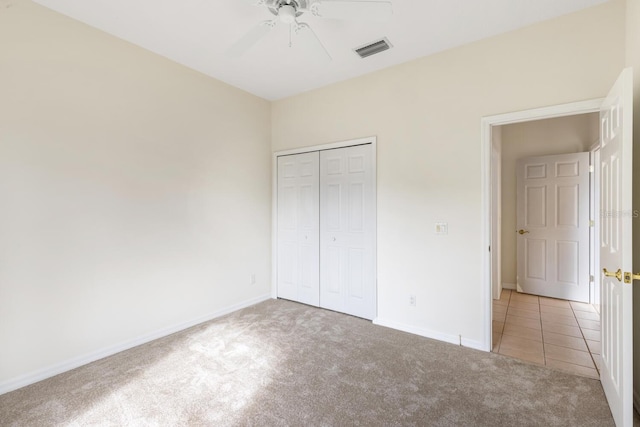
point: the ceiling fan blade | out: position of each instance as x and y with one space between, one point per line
309 41
247 41
376 11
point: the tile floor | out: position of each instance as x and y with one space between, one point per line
561 334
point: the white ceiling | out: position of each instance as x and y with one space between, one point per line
196 33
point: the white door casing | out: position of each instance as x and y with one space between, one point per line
347 236
496 221
553 226
298 228
594 234
616 217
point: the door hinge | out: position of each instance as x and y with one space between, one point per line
591 169
591 278
489 248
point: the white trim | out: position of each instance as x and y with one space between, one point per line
496 217
486 123
427 333
485 239
374 179
594 228
67 365
274 226
592 218
563 110
373 140
329 146
507 285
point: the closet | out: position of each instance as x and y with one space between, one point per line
326 229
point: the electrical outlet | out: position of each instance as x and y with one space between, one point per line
253 279
412 300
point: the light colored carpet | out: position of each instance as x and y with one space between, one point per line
283 363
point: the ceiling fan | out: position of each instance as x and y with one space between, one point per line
288 11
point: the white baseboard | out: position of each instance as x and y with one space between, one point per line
58 368
506 285
453 339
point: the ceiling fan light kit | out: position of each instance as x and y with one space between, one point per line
288 12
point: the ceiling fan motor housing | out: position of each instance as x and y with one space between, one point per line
299 6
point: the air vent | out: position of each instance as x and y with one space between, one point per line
373 48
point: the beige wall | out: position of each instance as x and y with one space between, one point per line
633 60
426 115
573 134
135 193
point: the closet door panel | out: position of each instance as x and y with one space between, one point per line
347 231
298 228
332 279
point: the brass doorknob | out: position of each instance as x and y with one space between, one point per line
617 274
522 231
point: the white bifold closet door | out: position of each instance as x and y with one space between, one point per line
326 229
347 231
298 275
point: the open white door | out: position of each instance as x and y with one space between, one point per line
553 223
615 251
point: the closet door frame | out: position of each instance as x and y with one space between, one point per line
372 140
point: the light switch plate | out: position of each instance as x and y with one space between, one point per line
442 228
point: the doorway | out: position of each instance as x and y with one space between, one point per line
544 247
491 212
